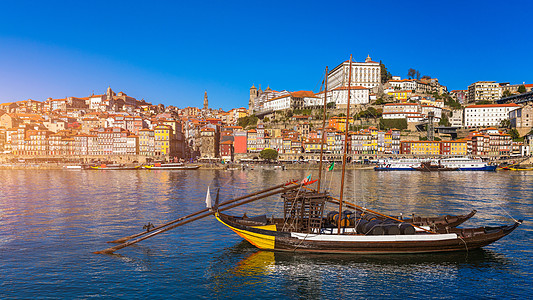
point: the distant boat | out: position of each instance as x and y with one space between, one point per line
171 166
73 167
113 167
446 164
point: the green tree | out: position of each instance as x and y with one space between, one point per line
386 124
385 75
506 93
266 119
522 89
268 154
411 73
505 123
444 121
514 134
247 121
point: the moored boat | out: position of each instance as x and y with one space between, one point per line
113 167
444 164
274 234
171 166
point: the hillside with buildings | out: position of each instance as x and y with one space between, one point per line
389 116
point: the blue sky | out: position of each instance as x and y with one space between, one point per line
170 52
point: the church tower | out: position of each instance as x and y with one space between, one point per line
206 104
109 93
253 97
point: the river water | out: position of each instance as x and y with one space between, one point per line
52 221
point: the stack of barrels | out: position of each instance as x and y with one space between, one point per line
369 224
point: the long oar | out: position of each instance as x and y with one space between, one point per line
127 238
156 232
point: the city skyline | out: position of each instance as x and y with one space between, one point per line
171 53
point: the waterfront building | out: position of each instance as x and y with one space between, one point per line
312 145
240 141
454 148
366 74
209 142
81 144
489 142
487 114
251 141
484 91
422 148
162 139
146 142
361 142
36 143
227 150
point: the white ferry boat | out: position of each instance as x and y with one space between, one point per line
411 164
399 164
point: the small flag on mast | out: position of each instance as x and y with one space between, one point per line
306 179
331 166
208 202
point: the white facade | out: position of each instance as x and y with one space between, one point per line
313 101
487 115
279 103
413 112
366 74
95 101
339 95
405 84
456 120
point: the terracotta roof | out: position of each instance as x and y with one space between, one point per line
493 105
300 94
391 104
351 88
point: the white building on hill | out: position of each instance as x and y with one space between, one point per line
366 74
487 114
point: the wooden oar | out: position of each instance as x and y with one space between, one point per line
284 188
127 238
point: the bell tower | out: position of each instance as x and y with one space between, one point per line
253 97
206 104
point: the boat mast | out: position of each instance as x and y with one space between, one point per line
323 131
345 145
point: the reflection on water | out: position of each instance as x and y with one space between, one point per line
51 221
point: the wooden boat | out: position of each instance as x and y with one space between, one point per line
518 168
113 167
171 166
428 166
277 235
